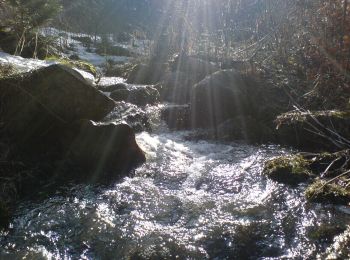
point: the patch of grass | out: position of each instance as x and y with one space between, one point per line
323 192
288 169
79 64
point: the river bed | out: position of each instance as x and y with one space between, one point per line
193 199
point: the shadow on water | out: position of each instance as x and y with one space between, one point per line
192 199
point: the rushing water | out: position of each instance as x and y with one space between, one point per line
193 199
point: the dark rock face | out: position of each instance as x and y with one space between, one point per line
41 111
222 96
314 130
59 89
105 151
177 117
185 72
196 68
37 105
138 95
245 128
177 78
147 74
177 87
237 106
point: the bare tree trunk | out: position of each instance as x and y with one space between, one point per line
35 54
20 44
344 21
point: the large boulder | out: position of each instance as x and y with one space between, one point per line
237 105
222 96
194 67
36 105
185 72
147 74
105 151
177 87
58 89
177 76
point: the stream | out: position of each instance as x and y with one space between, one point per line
193 199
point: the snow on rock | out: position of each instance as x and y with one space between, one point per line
25 65
86 75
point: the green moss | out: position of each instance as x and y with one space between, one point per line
79 64
321 191
288 169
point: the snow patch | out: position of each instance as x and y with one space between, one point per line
22 64
79 49
25 65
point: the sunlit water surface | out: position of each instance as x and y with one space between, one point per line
192 199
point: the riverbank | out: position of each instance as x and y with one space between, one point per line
197 181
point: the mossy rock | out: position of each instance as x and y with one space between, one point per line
79 64
288 169
314 130
340 248
325 232
330 162
323 192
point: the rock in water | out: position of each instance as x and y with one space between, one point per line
138 95
59 90
193 67
37 107
185 72
105 151
147 73
177 87
222 96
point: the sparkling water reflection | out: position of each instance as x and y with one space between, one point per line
192 199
